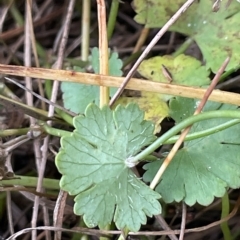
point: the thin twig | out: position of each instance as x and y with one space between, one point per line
11 51
59 212
185 132
170 22
4 11
143 233
41 98
59 209
27 52
35 54
183 223
29 96
165 226
17 31
9 213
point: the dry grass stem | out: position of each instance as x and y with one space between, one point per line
110 81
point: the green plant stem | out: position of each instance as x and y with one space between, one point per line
16 15
66 117
31 182
182 125
225 212
204 133
183 47
125 232
236 235
48 88
55 131
16 132
44 127
227 73
5 91
112 18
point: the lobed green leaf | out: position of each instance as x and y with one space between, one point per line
93 162
203 168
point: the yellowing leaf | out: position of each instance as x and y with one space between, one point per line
184 70
216 33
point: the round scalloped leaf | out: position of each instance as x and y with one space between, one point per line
185 70
93 164
204 167
216 33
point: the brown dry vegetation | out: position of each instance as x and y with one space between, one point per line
18 207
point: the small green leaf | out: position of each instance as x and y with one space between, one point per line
93 162
203 168
115 64
185 70
77 96
216 33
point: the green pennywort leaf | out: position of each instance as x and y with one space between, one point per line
203 168
93 162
